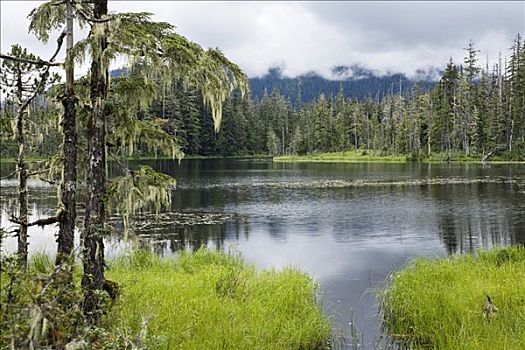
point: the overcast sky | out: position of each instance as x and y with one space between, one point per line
315 36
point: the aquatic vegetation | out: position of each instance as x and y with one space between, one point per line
321 184
371 156
379 183
347 156
208 300
183 218
460 302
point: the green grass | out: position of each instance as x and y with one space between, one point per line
456 157
438 303
41 262
212 300
201 300
370 156
462 158
359 156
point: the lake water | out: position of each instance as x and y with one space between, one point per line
348 225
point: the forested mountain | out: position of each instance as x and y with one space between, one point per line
354 81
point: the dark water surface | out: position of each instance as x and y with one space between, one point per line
348 225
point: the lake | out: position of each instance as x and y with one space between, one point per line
349 225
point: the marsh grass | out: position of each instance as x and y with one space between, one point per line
371 156
356 156
438 303
41 262
462 158
201 300
213 300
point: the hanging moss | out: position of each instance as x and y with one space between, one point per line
142 188
129 95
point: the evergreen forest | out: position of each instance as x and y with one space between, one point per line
473 110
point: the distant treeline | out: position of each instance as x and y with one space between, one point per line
471 110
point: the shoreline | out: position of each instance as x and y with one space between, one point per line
192 300
329 157
277 308
194 157
373 157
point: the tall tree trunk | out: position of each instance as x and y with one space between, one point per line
93 252
66 232
22 176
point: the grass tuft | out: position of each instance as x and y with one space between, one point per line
211 300
439 303
41 262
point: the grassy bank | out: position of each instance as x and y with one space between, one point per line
442 303
369 156
348 156
462 158
201 300
210 300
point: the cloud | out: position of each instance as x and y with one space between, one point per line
15 26
302 37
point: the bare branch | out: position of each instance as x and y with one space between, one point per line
60 41
143 329
14 232
41 84
40 222
46 180
38 172
8 176
119 163
38 62
47 221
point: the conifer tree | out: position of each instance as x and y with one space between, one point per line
24 77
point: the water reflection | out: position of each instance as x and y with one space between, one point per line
349 225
